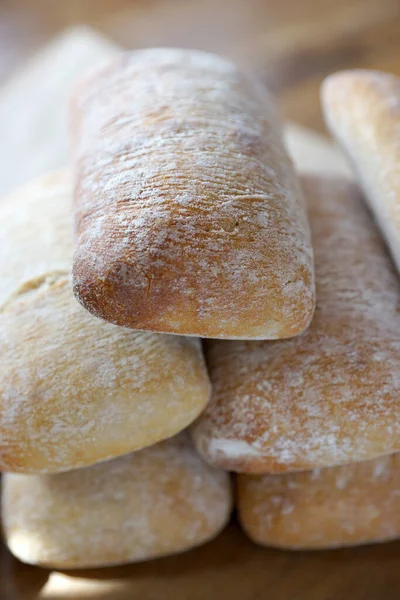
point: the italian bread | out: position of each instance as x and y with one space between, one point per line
159 501
189 217
323 508
362 110
331 395
75 390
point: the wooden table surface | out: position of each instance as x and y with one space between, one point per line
228 568
293 44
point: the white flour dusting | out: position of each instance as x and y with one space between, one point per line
323 508
187 206
331 395
75 390
158 501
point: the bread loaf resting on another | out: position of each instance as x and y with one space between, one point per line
189 216
331 395
75 390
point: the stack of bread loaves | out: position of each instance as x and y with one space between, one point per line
190 223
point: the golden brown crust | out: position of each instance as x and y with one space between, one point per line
324 508
75 390
329 396
155 502
362 110
189 215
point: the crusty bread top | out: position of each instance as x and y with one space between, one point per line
189 215
75 390
362 110
331 395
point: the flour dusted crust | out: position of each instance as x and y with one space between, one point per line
331 395
323 508
158 501
75 390
189 216
362 110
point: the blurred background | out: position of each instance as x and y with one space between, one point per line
292 44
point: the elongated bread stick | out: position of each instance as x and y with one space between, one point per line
362 110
